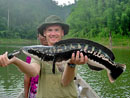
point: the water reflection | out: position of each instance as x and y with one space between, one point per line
99 80
11 79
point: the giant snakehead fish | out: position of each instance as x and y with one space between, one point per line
99 57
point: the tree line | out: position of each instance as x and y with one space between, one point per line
87 18
90 18
20 18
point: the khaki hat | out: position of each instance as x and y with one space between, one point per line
53 19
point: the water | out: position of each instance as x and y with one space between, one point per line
99 80
11 79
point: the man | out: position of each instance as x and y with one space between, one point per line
60 84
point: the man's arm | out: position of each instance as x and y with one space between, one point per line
31 70
69 72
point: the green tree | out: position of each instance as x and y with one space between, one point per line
26 15
91 18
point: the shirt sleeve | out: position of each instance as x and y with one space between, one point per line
35 61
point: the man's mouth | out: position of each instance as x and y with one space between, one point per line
53 38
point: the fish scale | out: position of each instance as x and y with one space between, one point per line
99 57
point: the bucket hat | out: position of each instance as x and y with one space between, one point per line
51 20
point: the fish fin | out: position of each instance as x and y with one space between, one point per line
116 72
94 68
110 77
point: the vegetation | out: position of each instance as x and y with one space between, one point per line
91 18
117 42
20 18
5 41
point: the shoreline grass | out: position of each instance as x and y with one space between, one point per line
116 42
5 41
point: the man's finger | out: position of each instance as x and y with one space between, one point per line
82 59
77 56
73 57
86 59
2 61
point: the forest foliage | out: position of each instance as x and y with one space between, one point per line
87 18
20 18
92 18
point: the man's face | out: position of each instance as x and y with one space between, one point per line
53 34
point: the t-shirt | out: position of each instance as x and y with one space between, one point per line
50 84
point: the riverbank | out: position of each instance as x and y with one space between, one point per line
5 41
116 42
123 42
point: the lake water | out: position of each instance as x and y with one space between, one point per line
11 79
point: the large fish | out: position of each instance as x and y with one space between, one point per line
99 57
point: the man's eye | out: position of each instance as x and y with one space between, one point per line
57 30
49 30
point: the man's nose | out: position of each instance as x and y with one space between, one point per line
53 32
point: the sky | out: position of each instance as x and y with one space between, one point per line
61 2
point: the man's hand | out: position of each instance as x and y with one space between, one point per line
78 59
4 61
69 72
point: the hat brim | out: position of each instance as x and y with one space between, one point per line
65 27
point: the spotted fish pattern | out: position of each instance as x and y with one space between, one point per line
99 57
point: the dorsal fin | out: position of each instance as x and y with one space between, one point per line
89 42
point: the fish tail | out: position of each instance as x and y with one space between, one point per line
116 72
